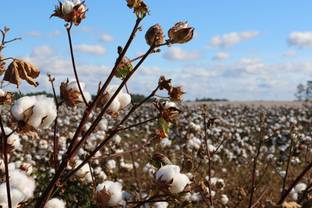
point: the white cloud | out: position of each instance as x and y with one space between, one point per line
233 38
177 54
300 39
106 37
91 49
220 56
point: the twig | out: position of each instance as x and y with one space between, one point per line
254 168
55 138
209 160
287 166
68 28
6 163
135 173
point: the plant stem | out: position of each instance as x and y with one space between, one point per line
6 163
68 28
55 138
209 160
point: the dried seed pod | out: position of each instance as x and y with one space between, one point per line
164 83
176 93
20 69
180 33
154 35
101 198
70 96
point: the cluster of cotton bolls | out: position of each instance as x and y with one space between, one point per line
22 188
170 175
36 111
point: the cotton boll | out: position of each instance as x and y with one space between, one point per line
179 183
23 183
167 173
116 139
55 203
300 187
114 106
41 114
224 199
161 204
22 105
115 191
124 100
16 196
111 165
165 142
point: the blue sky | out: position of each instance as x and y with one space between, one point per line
242 50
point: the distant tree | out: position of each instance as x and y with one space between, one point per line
308 89
301 92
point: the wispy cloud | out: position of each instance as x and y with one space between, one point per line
91 49
106 37
231 39
177 54
220 56
300 39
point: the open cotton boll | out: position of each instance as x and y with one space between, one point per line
161 204
23 183
55 203
179 183
224 199
300 187
115 191
21 105
16 196
124 99
43 112
167 173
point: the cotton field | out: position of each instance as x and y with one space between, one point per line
132 170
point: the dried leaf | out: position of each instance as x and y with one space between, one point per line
20 69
